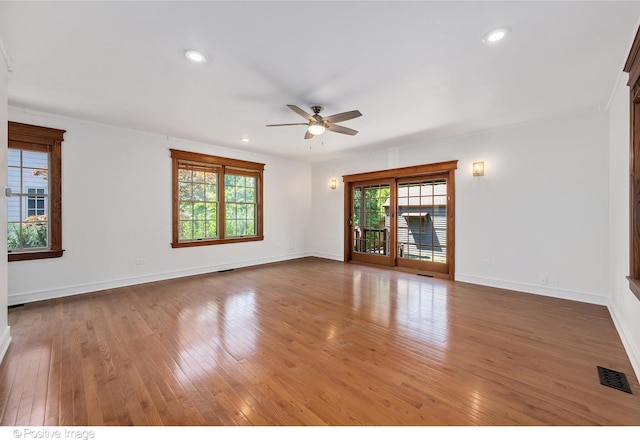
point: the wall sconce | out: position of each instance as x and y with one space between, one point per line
478 168
333 184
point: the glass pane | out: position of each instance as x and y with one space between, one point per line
186 230
199 211
251 227
242 211
13 236
32 182
230 193
14 179
229 180
185 191
230 228
231 211
240 194
13 157
241 227
211 193
212 211
186 211
211 178
422 220
198 191
185 175
370 222
14 209
35 159
199 229
34 235
251 195
212 229
251 212
198 176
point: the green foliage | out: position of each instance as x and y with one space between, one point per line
369 213
32 235
240 198
198 196
368 206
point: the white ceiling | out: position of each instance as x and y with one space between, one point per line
416 70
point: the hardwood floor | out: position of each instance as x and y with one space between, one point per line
313 342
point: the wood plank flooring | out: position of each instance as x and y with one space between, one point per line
313 342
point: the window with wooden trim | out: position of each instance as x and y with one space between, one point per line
216 200
34 223
632 67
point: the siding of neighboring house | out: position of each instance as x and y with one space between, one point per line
420 230
30 184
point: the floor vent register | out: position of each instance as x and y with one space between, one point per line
614 379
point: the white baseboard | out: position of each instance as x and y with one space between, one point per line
5 340
627 342
554 292
27 297
327 256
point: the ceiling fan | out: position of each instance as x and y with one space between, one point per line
318 124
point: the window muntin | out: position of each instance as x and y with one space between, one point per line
34 222
216 200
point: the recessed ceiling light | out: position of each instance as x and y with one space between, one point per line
244 139
195 57
496 35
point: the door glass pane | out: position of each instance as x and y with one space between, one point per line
422 220
371 219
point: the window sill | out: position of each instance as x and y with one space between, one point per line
183 244
634 285
35 255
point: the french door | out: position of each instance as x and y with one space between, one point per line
402 217
370 222
421 223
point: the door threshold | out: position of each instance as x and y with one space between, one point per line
424 273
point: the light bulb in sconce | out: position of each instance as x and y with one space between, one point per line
478 168
333 184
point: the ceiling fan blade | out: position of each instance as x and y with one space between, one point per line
308 135
339 117
282 125
341 129
301 112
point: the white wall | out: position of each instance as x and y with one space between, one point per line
5 337
116 198
623 305
540 209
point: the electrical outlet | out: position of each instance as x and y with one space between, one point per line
542 280
141 261
485 262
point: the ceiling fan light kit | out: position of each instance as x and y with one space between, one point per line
316 129
195 56
318 124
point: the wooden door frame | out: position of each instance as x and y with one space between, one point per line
419 171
